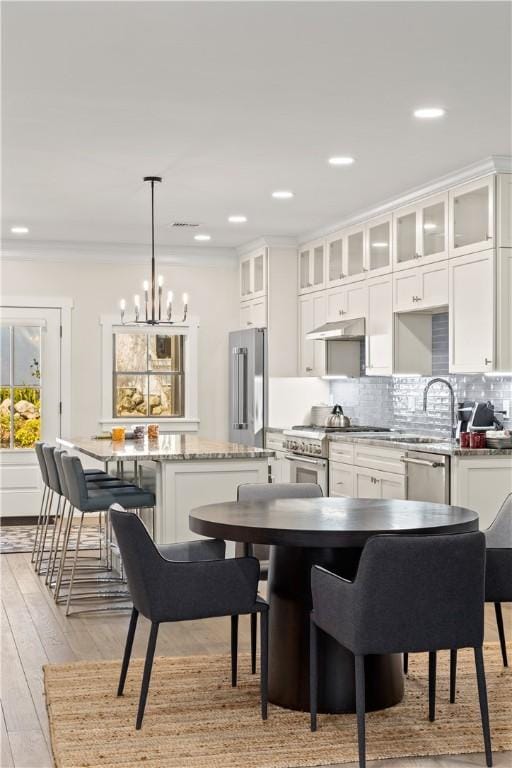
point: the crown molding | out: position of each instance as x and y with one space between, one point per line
113 253
492 164
267 241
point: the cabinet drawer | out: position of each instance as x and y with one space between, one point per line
343 452
341 480
383 459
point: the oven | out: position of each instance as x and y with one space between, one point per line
306 469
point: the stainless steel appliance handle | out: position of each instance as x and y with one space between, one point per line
240 388
294 457
423 462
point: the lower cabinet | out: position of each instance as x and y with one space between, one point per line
341 479
481 483
373 484
279 468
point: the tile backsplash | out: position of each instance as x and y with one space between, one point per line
397 401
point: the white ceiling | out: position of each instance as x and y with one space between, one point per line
229 101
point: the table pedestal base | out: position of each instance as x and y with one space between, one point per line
289 594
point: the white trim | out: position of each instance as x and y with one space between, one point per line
492 164
190 422
266 241
65 304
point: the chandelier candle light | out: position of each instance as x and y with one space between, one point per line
150 309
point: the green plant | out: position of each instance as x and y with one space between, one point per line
27 434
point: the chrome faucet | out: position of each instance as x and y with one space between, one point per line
438 380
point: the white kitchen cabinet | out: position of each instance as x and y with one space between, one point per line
279 467
471 224
504 310
379 245
420 288
341 479
347 302
504 210
253 313
392 486
311 266
366 485
253 275
481 483
312 313
335 254
471 313
355 253
379 326
420 232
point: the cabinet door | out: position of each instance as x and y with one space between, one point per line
406 289
356 300
259 273
259 313
318 266
335 257
379 327
405 233
391 486
304 270
340 480
245 314
434 285
245 278
355 253
312 313
379 245
433 228
471 313
472 217
336 304
504 310
366 485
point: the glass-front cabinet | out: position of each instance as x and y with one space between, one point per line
335 258
472 217
354 239
149 375
253 275
311 266
420 232
379 245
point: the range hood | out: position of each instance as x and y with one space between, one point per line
342 330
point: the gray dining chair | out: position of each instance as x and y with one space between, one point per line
182 582
411 593
268 492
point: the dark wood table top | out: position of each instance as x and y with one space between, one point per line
326 522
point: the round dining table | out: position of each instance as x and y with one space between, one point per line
330 532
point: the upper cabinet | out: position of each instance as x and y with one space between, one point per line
420 233
335 250
253 275
361 250
379 245
312 266
472 217
312 353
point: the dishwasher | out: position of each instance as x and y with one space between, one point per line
428 476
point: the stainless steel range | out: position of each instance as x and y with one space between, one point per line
308 452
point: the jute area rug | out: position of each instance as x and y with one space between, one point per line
194 719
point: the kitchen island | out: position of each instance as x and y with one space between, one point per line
183 470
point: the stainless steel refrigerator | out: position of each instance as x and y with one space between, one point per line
248 386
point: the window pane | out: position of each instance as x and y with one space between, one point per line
130 351
166 396
5 355
166 352
27 355
5 417
27 416
131 396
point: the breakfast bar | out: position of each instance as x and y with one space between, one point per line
183 470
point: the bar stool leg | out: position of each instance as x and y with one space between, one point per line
44 533
51 570
39 523
65 543
52 542
72 577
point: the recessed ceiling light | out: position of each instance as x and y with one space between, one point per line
282 194
341 160
380 245
19 230
237 219
429 226
429 113
202 237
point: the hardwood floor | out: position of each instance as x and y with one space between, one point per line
34 632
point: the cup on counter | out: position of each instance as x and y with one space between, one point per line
118 433
153 430
138 431
464 439
477 440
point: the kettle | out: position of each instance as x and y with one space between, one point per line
337 418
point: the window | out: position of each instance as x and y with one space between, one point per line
20 386
149 378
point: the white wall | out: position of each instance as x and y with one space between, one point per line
96 289
290 400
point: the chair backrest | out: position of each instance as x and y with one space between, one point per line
423 592
51 467
75 480
57 455
40 460
269 491
499 534
141 558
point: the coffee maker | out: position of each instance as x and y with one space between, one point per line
483 417
464 413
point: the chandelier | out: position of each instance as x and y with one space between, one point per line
152 314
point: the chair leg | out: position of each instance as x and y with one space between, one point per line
482 698
432 658
501 632
313 673
39 523
264 664
56 552
148 666
44 532
406 663
128 650
254 630
453 675
64 553
75 560
360 709
234 650
55 527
